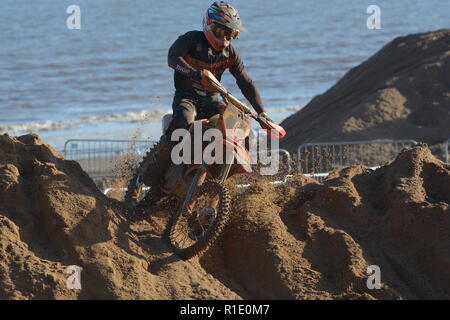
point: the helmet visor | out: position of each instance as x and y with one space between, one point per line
224 33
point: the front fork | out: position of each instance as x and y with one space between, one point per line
224 172
197 181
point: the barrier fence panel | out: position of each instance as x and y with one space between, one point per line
319 158
99 157
278 158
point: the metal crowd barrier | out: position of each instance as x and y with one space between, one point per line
319 158
284 164
99 157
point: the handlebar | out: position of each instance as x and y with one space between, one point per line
211 82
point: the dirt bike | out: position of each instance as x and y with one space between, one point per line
203 200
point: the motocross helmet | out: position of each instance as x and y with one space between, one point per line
221 24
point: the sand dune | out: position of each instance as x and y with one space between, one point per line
300 240
401 92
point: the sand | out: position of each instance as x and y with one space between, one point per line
300 240
401 92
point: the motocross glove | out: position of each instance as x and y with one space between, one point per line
263 115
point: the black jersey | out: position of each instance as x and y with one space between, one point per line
192 52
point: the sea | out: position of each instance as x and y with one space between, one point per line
107 77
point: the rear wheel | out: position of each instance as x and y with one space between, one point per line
139 196
191 231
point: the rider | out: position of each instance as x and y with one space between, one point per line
191 53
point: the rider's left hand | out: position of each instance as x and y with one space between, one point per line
263 115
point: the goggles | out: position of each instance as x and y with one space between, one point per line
223 32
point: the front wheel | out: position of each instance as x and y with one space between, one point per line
193 230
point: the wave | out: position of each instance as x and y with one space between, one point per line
129 117
295 107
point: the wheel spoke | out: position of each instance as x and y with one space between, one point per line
198 232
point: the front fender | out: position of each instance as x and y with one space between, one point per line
239 153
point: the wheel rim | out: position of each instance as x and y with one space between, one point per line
194 225
202 221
